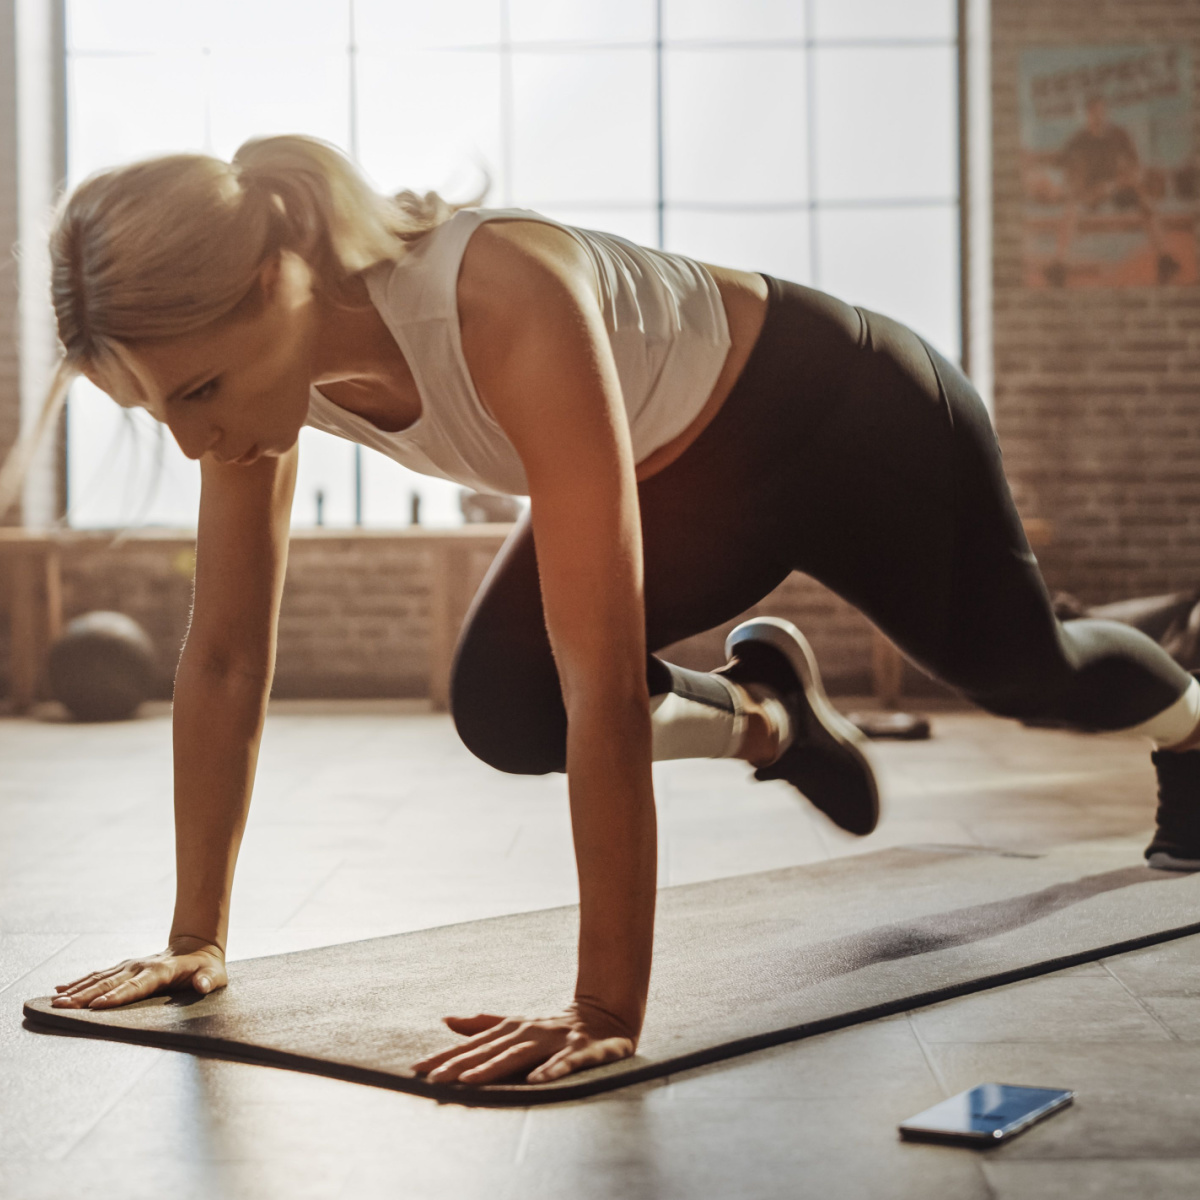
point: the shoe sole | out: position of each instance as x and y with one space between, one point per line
1162 861
783 636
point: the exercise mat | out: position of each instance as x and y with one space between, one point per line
740 964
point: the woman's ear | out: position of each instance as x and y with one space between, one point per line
269 275
285 277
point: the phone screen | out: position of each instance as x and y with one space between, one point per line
985 1114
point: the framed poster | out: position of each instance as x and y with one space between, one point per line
1109 180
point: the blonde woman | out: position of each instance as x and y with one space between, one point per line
687 435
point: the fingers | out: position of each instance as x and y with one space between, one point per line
465 1059
87 980
547 1050
86 990
82 996
136 987
575 1057
515 1059
499 1029
106 989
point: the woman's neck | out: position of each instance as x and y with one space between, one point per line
351 339
357 363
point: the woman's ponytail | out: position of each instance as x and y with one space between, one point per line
330 215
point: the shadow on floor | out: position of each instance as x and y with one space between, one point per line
961 926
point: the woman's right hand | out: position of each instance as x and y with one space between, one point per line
186 962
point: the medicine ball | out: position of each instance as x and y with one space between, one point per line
102 667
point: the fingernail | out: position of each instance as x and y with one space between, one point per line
202 984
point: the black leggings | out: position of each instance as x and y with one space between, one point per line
851 450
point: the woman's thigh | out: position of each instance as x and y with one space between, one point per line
909 517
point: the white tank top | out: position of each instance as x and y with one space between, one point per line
666 325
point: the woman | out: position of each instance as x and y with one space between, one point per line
688 435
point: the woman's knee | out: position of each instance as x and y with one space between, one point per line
504 691
506 710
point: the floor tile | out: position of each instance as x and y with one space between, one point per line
21 953
1169 969
866 1060
1180 1014
717 1149
1066 1006
207 1110
151 1178
1098 1179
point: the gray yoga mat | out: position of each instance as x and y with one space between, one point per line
739 964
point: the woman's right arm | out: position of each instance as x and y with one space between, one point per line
221 690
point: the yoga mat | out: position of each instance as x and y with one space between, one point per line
740 964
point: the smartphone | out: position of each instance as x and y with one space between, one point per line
985 1115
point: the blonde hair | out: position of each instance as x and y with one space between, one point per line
162 248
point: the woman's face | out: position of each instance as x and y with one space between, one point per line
238 389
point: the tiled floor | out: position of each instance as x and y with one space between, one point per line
371 819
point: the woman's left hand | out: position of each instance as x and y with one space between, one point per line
542 1050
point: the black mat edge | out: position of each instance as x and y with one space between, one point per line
526 1095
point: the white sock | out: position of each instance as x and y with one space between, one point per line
686 728
1175 724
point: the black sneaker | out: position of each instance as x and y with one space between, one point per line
825 759
1176 844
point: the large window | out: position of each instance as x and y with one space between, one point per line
812 139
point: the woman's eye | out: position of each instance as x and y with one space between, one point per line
202 392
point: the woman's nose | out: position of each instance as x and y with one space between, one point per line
195 438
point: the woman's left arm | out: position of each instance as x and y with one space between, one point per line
535 341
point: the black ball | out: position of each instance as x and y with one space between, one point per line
102 667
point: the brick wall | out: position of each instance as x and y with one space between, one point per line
1097 393
358 611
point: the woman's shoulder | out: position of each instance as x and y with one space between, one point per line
521 256
481 263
